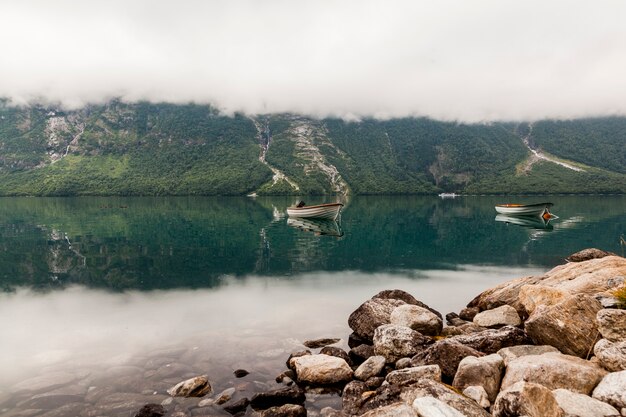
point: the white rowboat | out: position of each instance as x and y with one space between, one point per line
540 209
322 211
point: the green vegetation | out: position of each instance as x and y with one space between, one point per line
167 149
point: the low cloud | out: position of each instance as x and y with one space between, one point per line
450 59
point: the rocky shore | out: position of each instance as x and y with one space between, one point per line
537 346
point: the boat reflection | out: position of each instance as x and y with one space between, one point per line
320 227
535 222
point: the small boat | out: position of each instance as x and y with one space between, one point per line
540 209
321 211
448 195
319 227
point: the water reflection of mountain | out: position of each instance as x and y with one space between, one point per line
149 243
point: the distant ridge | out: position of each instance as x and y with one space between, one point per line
167 149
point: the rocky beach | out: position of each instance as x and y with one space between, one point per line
537 346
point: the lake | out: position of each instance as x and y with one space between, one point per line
108 301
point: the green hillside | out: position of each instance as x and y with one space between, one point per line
167 149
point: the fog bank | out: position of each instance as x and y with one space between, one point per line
451 59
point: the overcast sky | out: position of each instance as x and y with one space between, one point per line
468 60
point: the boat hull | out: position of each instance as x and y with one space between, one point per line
323 211
524 209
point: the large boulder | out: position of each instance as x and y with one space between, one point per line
526 399
554 370
198 386
406 297
505 293
612 324
394 342
514 352
533 296
417 318
612 355
447 354
371 367
612 390
570 325
371 314
492 340
498 317
414 374
579 405
485 371
322 369
589 277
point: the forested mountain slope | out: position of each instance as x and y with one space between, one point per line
166 149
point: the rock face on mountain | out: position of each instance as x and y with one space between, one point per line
190 149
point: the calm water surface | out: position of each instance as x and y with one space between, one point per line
129 295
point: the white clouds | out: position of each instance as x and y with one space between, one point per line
450 59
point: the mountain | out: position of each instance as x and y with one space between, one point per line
167 149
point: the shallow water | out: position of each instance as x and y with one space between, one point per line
114 295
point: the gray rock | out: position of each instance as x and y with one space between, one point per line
277 397
318 343
371 314
526 399
498 317
612 324
554 370
612 355
403 363
322 369
612 389
287 410
225 396
569 326
432 407
429 388
151 410
587 254
579 405
198 386
514 352
237 406
374 382
393 410
359 353
394 342
478 394
492 340
485 371
408 375
371 367
338 352
447 354
417 318
468 313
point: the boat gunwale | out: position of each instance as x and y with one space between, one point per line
547 205
317 206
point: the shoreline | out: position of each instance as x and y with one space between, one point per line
320 399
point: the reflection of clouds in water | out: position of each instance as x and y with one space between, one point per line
89 328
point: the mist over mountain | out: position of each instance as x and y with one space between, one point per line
169 149
450 60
